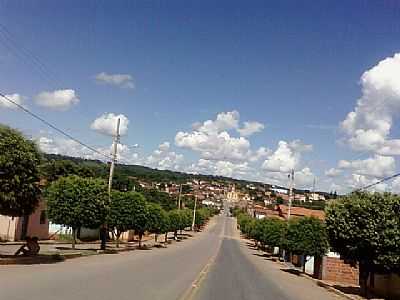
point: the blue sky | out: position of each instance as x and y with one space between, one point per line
293 66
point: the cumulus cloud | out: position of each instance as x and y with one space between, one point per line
303 178
376 166
250 128
58 99
368 127
219 146
299 146
162 158
333 172
213 139
283 159
17 98
357 181
224 121
107 123
68 147
119 80
219 168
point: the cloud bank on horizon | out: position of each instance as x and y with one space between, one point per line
223 145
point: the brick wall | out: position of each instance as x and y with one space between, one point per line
334 269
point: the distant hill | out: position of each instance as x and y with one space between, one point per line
155 175
146 173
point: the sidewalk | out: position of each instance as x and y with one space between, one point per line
344 290
56 251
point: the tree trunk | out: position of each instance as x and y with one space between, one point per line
176 235
304 263
140 239
363 278
73 237
117 236
155 237
166 237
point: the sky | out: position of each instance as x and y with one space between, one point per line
245 89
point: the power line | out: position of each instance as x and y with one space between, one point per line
378 182
53 126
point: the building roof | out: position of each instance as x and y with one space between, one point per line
281 211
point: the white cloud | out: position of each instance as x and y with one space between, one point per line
67 147
219 168
357 181
396 185
250 128
17 98
224 121
58 99
376 166
119 80
219 146
107 123
162 158
368 127
213 141
261 153
299 146
332 172
303 178
283 159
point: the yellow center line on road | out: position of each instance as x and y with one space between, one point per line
194 287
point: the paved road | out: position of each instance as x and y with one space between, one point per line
155 274
242 274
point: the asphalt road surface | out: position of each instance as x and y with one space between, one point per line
213 265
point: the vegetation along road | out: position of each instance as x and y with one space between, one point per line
213 265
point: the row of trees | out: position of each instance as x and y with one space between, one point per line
76 198
363 227
306 236
84 202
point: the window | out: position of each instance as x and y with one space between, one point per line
43 217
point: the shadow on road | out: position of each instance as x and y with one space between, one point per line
292 271
30 260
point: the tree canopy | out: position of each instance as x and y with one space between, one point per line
121 212
365 229
307 236
77 202
19 174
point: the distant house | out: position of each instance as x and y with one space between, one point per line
17 228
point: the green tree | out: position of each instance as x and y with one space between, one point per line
53 169
140 216
77 202
121 213
157 220
162 198
19 174
274 231
175 222
365 229
307 236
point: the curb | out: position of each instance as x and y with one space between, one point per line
333 290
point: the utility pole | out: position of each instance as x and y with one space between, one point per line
313 190
194 211
110 178
291 183
179 197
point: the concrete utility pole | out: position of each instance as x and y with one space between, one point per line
179 197
114 157
194 211
291 183
110 178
